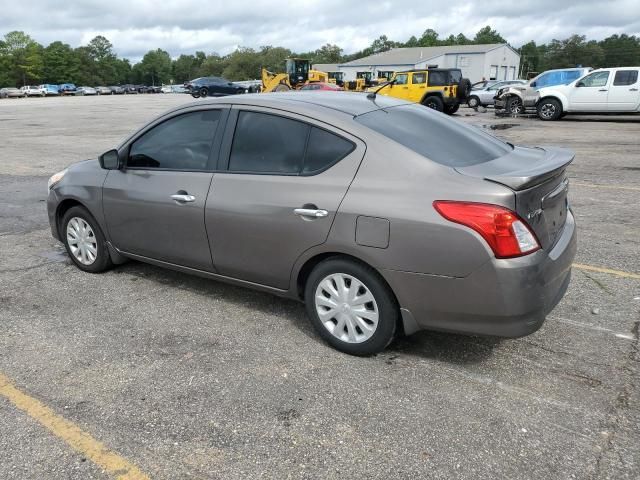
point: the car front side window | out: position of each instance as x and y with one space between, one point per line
180 143
597 79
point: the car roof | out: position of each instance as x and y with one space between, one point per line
349 103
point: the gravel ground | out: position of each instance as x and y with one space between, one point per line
188 378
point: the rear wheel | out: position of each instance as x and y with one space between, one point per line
549 109
514 106
351 306
84 241
434 102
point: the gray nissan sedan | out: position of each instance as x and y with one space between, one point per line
384 217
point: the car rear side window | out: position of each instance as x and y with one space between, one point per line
437 79
180 143
265 143
325 149
625 77
434 135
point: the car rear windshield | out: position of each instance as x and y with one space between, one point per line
435 135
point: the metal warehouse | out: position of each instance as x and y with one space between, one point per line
492 61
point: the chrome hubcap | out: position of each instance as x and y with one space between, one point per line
548 110
82 241
346 308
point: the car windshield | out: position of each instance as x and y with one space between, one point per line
434 135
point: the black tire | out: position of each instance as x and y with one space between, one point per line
464 89
102 260
388 311
514 106
451 109
474 101
195 95
549 109
434 102
204 92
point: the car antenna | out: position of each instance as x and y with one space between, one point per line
372 95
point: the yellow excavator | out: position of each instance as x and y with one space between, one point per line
298 73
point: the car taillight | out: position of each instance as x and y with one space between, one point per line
506 233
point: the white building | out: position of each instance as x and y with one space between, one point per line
494 61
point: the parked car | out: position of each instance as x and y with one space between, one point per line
607 90
103 90
213 87
67 89
167 89
516 99
50 90
130 89
86 91
116 90
319 86
11 92
460 232
483 95
178 89
32 91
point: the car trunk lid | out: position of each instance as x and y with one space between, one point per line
538 179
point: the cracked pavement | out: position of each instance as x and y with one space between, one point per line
190 378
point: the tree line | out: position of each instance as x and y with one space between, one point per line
23 61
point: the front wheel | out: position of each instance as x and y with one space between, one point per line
351 306
549 109
204 92
451 109
435 103
84 241
474 101
514 106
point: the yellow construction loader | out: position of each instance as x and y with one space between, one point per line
297 74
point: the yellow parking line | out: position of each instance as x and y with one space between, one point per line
80 441
610 187
619 273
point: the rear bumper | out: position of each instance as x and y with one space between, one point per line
505 297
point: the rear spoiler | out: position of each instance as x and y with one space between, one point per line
524 167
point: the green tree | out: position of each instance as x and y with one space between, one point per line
155 67
488 35
213 65
184 68
22 58
60 63
243 64
621 50
328 54
573 51
382 44
429 38
530 60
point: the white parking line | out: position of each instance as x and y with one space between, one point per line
625 336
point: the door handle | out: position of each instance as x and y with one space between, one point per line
183 198
633 89
311 212
602 90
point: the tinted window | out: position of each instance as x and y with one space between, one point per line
324 150
625 77
598 79
181 143
268 144
437 79
419 78
401 79
435 135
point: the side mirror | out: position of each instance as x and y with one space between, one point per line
580 84
533 84
110 160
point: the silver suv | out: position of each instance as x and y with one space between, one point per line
516 99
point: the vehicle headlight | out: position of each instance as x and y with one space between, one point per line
55 178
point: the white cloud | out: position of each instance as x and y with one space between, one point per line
184 26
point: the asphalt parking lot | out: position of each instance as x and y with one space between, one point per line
163 375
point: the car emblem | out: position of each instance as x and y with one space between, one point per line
534 214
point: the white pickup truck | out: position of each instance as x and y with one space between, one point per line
606 90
